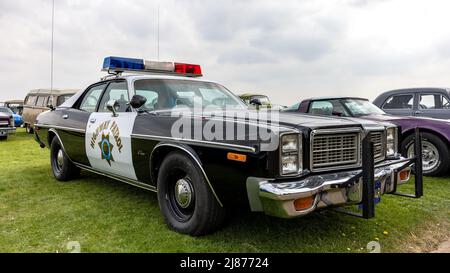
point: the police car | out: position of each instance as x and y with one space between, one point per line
158 126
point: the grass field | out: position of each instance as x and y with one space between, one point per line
39 214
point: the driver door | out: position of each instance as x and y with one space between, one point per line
108 137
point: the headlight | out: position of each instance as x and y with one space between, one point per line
291 154
289 143
391 141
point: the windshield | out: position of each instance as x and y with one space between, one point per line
171 94
6 111
362 107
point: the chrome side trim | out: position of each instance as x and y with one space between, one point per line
61 128
118 178
202 143
195 160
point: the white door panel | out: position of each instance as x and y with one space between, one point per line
108 143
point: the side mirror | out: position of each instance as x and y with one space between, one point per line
112 106
137 101
256 102
51 107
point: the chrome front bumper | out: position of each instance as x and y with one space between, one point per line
276 198
7 130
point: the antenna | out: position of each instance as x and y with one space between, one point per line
158 34
51 63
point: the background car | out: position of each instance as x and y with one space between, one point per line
256 100
6 124
419 102
435 132
41 100
18 121
15 105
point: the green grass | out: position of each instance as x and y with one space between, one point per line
39 214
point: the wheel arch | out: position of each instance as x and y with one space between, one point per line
52 133
161 150
426 130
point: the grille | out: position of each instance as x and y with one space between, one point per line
378 145
4 123
335 150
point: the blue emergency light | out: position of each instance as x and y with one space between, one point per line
120 64
113 63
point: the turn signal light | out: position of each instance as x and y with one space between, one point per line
237 157
304 203
404 175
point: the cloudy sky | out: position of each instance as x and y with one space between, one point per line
288 50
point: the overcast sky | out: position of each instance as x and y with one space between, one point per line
288 50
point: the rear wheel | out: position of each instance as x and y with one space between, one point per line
185 198
435 153
5 137
63 168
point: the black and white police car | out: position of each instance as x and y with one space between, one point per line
122 127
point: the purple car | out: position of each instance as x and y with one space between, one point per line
435 132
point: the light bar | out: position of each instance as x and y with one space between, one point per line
120 64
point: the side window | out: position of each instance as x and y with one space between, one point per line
41 101
321 108
91 97
117 91
427 101
445 103
399 102
152 99
433 101
31 100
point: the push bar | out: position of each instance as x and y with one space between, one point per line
368 182
418 177
368 177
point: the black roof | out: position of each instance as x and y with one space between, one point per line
336 98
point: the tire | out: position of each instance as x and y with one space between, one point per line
4 137
64 170
198 215
435 153
28 128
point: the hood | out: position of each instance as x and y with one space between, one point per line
287 119
407 122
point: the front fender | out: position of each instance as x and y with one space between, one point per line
164 148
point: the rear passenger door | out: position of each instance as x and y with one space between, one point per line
433 105
400 104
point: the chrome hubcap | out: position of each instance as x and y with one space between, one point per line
60 158
430 155
183 193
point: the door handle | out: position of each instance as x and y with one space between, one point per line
418 112
92 120
65 116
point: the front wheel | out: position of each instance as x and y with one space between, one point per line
185 198
63 168
435 154
5 137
